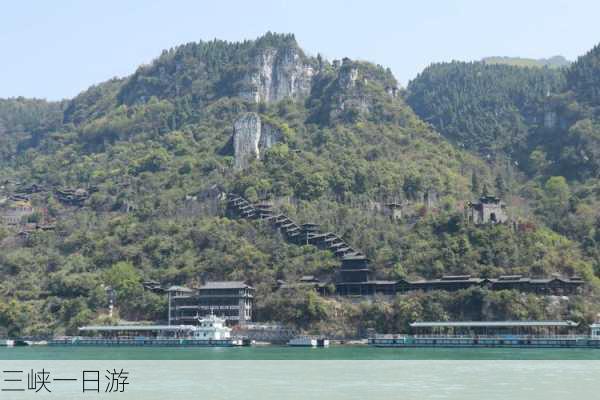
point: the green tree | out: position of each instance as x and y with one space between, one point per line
500 186
475 188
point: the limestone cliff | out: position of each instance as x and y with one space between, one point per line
277 74
356 89
246 137
251 137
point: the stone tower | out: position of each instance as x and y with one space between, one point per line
488 210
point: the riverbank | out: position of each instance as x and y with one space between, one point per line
288 353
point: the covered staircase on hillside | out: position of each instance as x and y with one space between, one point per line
353 277
300 234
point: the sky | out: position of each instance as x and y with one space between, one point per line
56 49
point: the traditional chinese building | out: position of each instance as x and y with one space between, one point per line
13 212
488 210
556 285
447 282
393 210
231 300
306 281
354 279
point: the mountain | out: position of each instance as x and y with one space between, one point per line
126 179
552 62
544 121
541 118
583 78
491 109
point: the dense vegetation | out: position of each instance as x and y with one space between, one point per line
488 108
155 145
552 139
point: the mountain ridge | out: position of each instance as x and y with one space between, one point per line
557 61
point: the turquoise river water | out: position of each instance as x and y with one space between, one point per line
288 353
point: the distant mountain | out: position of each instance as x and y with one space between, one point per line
544 118
584 78
552 62
488 108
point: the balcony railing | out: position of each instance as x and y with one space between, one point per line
502 337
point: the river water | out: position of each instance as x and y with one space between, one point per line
281 373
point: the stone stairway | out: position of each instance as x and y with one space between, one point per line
300 234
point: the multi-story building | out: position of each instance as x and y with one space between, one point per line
354 279
231 300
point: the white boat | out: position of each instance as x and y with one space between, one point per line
7 343
210 331
308 341
211 328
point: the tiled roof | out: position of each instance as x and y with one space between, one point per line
225 285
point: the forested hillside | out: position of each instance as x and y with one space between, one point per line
151 150
543 121
491 109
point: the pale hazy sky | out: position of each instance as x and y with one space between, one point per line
56 48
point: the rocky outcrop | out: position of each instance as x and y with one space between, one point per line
347 76
246 136
351 96
357 90
251 137
277 74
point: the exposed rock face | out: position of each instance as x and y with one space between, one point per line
250 137
351 97
269 136
348 76
278 74
246 137
357 88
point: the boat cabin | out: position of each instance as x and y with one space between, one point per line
134 331
595 331
212 328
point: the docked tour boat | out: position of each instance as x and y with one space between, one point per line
211 331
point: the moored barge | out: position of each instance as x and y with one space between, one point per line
518 334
